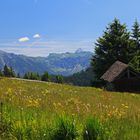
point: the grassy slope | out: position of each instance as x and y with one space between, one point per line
27 99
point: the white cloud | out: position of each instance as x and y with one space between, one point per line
23 39
36 36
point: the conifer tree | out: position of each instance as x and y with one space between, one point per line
59 79
25 76
8 71
45 77
1 73
12 72
112 46
135 62
136 35
18 75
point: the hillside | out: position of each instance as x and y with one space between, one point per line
33 105
64 63
82 78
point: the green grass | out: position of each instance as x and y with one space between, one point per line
33 110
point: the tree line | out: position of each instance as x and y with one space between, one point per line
44 77
9 72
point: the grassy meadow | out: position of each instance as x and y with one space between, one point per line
48 111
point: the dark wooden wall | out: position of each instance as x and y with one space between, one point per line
130 85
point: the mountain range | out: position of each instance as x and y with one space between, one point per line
63 63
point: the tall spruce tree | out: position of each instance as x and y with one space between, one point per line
112 46
136 35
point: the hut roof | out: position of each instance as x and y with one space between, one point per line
114 71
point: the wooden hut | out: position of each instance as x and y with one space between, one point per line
122 78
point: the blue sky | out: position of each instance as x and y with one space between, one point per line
39 27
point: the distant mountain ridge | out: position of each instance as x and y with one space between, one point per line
64 63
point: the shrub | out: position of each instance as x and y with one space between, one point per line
59 79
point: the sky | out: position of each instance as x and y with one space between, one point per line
40 27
